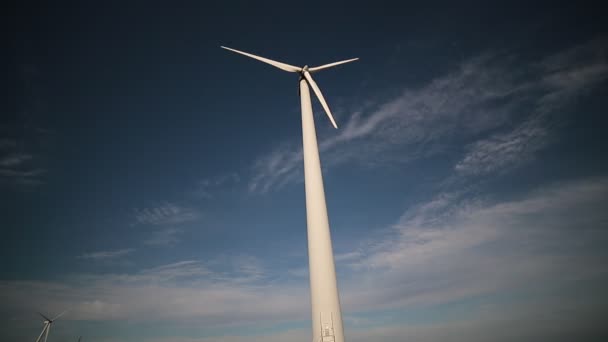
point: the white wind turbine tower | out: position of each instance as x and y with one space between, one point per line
326 313
47 326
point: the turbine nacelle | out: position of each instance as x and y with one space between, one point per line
304 72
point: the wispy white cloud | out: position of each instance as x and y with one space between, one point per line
207 188
249 266
165 237
16 167
415 124
181 270
186 290
347 256
300 272
15 159
281 166
486 94
27 174
563 78
165 214
438 252
504 151
570 72
450 248
107 255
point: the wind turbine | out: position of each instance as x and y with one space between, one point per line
326 313
47 326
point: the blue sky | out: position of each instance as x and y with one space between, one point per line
151 183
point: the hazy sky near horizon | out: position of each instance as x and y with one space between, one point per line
151 183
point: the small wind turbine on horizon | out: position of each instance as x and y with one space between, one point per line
47 326
326 313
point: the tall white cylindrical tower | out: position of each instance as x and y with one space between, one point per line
326 313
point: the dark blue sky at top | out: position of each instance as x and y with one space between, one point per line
129 105
137 167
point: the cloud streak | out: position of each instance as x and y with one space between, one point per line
451 249
166 237
208 188
13 160
445 250
505 151
165 214
17 167
107 255
565 76
492 93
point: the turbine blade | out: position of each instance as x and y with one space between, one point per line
317 91
282 66
42 333
321 67
61 314
46 318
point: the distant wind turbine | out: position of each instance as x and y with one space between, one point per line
326 313
47 326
